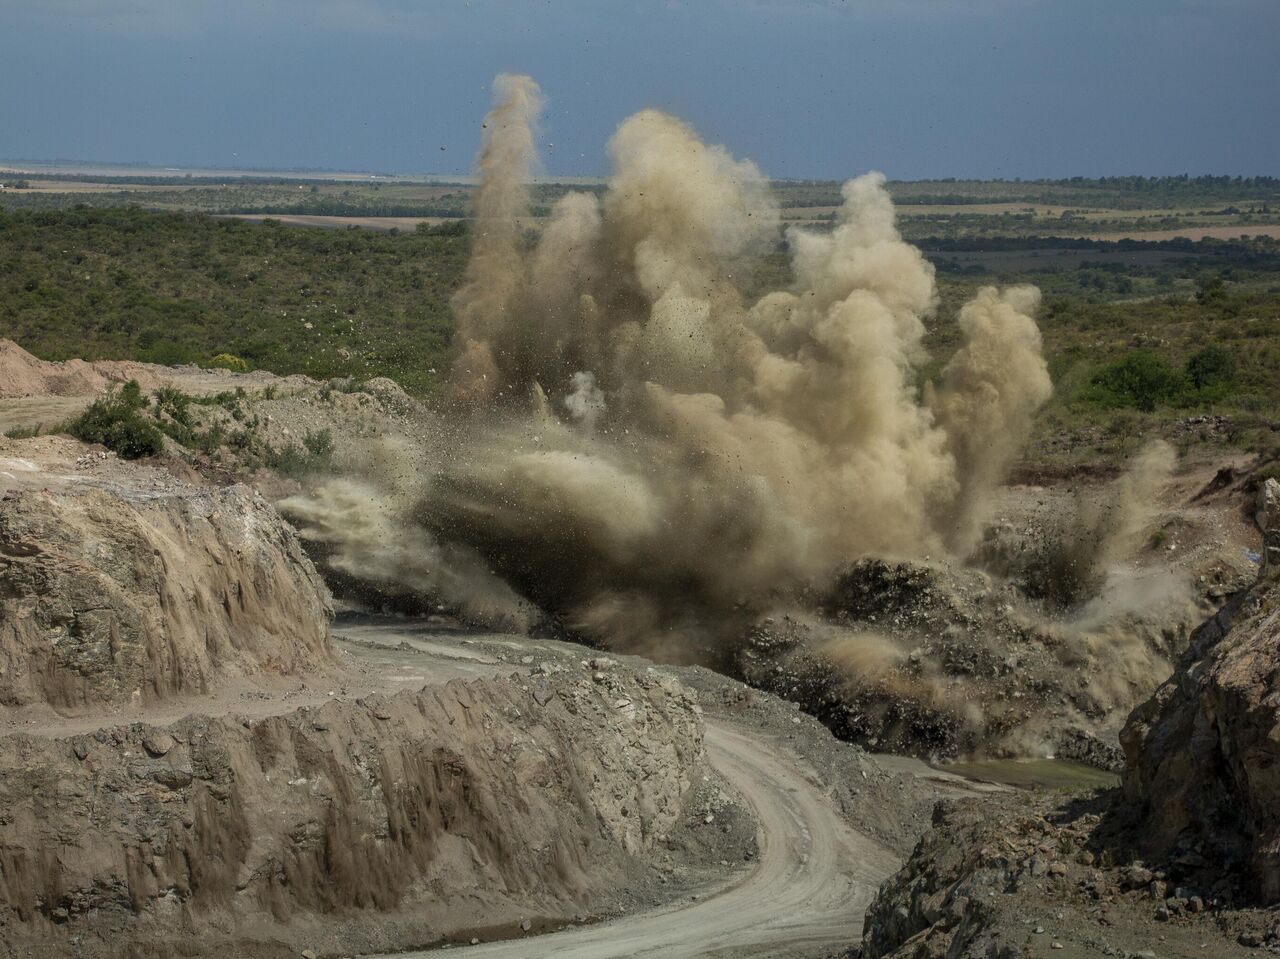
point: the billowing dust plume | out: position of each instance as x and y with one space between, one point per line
370 530
649 456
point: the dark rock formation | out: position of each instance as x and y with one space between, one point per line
1202 778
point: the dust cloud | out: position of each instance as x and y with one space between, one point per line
1086 550
369 529
650 457
1121 605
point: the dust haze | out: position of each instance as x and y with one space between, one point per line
639 451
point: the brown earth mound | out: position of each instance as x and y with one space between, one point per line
22 374
354 827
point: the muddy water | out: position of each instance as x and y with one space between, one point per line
1033 773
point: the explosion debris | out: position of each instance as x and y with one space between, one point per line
649 456
656 463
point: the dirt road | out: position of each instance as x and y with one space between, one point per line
803 897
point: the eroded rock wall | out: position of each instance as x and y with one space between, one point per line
1202 777
350 827
144 591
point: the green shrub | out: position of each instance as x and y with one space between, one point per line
116 422
1209 288
172 402
1140 380
313 456
1211 366
133 438
287 460
319 444
229 361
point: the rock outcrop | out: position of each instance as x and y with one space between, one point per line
1202 777
357 826
1021 876
133 588
1192 836
941 660
945 900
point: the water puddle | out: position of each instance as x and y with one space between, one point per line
1033 773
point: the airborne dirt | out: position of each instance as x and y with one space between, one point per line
632 455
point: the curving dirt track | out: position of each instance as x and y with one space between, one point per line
805 896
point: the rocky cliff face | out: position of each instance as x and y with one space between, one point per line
1193 834
1202 777
350 827
129 592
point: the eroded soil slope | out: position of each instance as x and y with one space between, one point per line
120 585
190 766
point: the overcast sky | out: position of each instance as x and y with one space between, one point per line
807 88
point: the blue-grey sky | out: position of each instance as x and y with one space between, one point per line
807 88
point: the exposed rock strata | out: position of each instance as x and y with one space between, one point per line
120 593
1203 754
348 827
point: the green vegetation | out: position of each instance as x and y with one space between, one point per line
314 456
1127 370
928 208
133 426
183 288
973 209
116 421
1143 381
1139 380
24 432
1118 192
229 361
1140 335
1210 368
